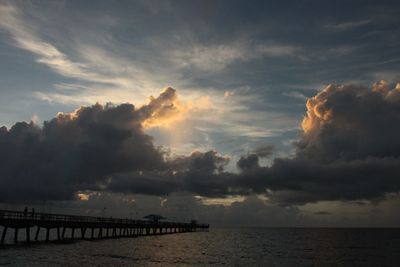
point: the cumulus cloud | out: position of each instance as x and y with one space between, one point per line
349 123
163 110
103 148
80 150
73 151
349 149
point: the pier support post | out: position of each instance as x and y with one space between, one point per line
47 234
83 231
73 233
114 233
37 233
92 234
63 233
3 235
28 234
58 234
16 235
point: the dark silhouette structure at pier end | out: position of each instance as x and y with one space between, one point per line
154 218
35 225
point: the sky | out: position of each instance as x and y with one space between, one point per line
262 113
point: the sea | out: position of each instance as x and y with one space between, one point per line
221 247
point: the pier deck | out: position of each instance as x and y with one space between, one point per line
88 228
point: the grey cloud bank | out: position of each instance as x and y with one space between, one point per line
349 150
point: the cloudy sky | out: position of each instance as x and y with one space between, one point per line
235 113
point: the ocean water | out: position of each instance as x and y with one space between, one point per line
221 247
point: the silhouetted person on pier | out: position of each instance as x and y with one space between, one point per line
33 212
26 211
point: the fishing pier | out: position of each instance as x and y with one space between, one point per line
60 227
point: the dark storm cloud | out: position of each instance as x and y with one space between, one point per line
203 174
248 162
349 149
79 150
300 180
251 160
102 148
199 173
